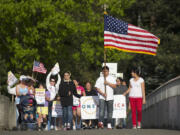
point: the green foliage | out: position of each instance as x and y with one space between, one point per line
66 31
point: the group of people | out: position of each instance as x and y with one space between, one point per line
66 90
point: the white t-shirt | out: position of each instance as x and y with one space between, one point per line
136 89
109 91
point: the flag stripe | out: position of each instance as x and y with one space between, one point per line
130 47
128 43
127 50
121 36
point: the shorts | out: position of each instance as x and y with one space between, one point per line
75 107
42 110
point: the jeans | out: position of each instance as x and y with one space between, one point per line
67 115
120 121
49 114
102 105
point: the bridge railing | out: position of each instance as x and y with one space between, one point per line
165 91
162 106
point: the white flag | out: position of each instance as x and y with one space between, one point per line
56 69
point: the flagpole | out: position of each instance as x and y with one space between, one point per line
105 6
32 70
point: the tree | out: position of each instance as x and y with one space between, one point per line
66 31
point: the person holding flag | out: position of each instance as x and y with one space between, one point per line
104 86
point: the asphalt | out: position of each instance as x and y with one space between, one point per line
97 132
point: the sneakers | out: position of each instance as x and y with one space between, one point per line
68 126
52 127
139 125
56 128
134 127
74 127
109 126
100 125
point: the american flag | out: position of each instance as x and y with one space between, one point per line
39 67
127 37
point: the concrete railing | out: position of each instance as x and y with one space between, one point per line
7 113
162 109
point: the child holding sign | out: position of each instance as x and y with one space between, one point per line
42 110
57 113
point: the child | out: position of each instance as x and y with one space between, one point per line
58 113
43 110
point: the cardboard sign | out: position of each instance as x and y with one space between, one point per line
89 107
11 79
119 106
76 101
56 109
40 96
56 69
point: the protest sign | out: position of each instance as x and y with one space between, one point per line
89 107
11 79
56 109
76 101
119 106
40 96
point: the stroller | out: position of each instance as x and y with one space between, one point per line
28 112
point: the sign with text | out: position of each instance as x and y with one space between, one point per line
56 109
40 96
76 101
119 106
11 79
89 107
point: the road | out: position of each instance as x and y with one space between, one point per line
96 132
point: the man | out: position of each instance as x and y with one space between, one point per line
53 88
106 96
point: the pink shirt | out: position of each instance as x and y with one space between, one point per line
80 90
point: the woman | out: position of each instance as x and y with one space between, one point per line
88 124
77 109
136 96
66 91
21 91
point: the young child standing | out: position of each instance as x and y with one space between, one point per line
42 111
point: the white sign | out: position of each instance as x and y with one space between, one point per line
89 107
76 101
40 96
119 75
56 109
112 68
11 79
119 106
56 69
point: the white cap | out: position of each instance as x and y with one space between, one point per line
22 77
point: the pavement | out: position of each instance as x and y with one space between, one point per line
97 132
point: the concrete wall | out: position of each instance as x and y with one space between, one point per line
162 109
7 113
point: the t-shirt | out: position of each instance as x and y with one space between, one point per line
48 95
109 91
120 89
91 93
80 90
136 89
